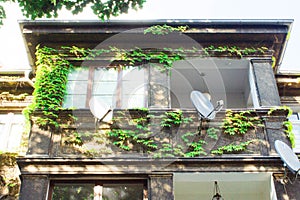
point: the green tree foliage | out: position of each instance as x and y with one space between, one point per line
104 9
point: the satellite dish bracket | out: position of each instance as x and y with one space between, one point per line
97 120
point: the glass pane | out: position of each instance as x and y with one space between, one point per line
2 133
134 101
77 74
102 74
77 87
133 88
105 84
14 140
3 137
74 101
123 192
73 192
107 99
104 87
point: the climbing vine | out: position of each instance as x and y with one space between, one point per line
140 134
194 144
173 118
240 122
50 86
164 29
233 147
286 124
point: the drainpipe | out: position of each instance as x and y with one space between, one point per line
28 80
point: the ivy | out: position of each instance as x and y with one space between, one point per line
289 132
234 50
2 15
240 122
127 138
233 147
141 134
286 124
172 118
281 108
73 139
164 29
162 59
168 150
196 149
50 87
212 133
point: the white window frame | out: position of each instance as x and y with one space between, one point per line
11 141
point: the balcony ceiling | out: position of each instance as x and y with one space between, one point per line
242 33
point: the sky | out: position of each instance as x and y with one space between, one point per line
13 53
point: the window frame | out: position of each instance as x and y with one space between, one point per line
99 182
10 120
119 85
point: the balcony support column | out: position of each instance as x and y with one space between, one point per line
161 187
266 87
34 187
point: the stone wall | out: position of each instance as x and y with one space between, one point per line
9 177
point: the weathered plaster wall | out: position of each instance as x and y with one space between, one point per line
9 177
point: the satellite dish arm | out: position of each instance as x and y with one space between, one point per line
217 108
108 111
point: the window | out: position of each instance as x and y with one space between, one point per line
295 119
12 127
98 190
119 88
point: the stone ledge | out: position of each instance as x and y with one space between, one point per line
65 166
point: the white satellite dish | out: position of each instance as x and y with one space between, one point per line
203 105
100 110
288 157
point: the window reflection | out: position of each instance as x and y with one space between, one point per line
86 191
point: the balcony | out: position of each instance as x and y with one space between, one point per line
160 134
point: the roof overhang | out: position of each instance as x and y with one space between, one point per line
272 34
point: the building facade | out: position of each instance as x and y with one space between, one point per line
16 89
113 118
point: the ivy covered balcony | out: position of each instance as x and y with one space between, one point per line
161 123
137 133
